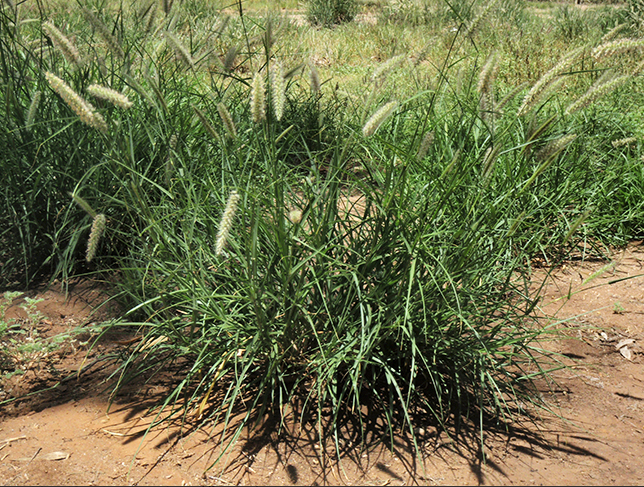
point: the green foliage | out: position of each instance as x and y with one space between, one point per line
7 299
331 12
286 250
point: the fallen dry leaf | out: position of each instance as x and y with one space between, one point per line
623 342
626 353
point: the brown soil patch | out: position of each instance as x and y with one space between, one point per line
66 436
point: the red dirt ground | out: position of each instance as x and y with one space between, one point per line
66 436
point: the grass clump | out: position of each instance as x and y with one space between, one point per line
331 12
283 237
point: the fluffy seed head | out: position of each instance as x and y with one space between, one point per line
105 33
204 121
229 125
278 90
611 34
623 142
378 118
62 43
295 216
424 145
315 79
180 50
472 28
108 94
229 58
257 98
488 74
390 64
548 81
33 108
79 106
555 147
98 227
598 90
152 16
486 88
226 222
618 46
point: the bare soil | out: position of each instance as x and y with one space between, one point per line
594 436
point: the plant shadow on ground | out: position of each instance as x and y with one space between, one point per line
287 442
291 439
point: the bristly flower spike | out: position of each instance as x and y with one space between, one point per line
226 222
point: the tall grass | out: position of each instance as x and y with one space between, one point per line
281 238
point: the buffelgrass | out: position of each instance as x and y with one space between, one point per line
85 111
346 250
62 43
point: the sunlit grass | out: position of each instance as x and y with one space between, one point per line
365 239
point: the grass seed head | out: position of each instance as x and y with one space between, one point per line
152 16
474 25
624 142
295 216
180 50
204 121
381 71
278 90
549 81
229 125
615 47
110 95
555 147
98 228
229 58
427 141
315 79
85 111
62 43
378 118
488 74
33 108
611 34
598 90
258 98
103 31
226 222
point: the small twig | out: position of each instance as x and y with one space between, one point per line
9 440
112 433
35 455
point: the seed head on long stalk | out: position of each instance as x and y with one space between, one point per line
618 46
378 118
104 32
548 81
33 108
98 228
226 222
600 89
180 50
257 98
62 43
315 78
278 90
79 106
110 95
229 125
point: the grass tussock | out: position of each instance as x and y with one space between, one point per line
283 228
